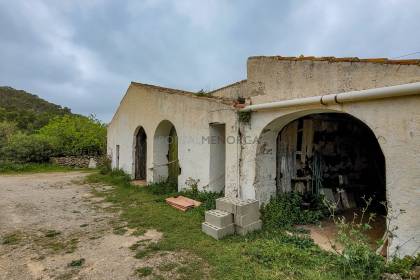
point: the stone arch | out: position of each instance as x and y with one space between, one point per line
140 153
266 179
165 153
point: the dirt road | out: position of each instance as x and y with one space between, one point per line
53 227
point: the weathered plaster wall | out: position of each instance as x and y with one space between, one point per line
250 167
232 91
147 106
276 78
395 123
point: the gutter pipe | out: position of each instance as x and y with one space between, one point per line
340 98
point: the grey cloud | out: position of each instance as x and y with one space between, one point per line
83 54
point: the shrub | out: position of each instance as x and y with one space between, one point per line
76 135
244 117
28 148
7 129
162 188
208 199
104 165
404 266
285 210
357 259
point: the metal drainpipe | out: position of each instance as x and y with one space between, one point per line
345 97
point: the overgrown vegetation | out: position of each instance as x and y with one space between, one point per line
32 130
77 263
244 117
201 92
274 253
404 267
286 210
270 254
356 258
10 167
27 111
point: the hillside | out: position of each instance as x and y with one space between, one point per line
27 110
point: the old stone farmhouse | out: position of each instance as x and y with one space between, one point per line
312 125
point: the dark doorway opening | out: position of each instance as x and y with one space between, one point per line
173 163
333 154
140 155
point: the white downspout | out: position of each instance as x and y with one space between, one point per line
351 96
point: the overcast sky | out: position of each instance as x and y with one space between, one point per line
83 53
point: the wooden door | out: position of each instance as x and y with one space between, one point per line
173 163
141 155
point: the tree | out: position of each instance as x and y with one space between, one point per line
76 135
7 129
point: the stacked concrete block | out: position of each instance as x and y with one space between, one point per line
218 224
232 215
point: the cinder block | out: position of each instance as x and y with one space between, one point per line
237 206
249 228
226 204
247 207
245 220
217 232
218 218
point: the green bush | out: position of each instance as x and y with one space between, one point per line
7 129
357 259
28 148
404 266
285 210
162 188
105 165
208 199
76 135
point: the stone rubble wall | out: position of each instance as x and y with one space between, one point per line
74 161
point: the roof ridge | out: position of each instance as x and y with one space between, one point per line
184 92
227 86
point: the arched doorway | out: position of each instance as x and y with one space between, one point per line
140 155
333 154
173 164
325 153
165 153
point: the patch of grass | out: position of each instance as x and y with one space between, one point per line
192 270
77 263
11 239
52 233
162 188
404 267
11 168
168 266
120 230
263 255
54 242
144 271
146 251
139 232
138 244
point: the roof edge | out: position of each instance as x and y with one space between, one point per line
227 86
332 59
166 90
